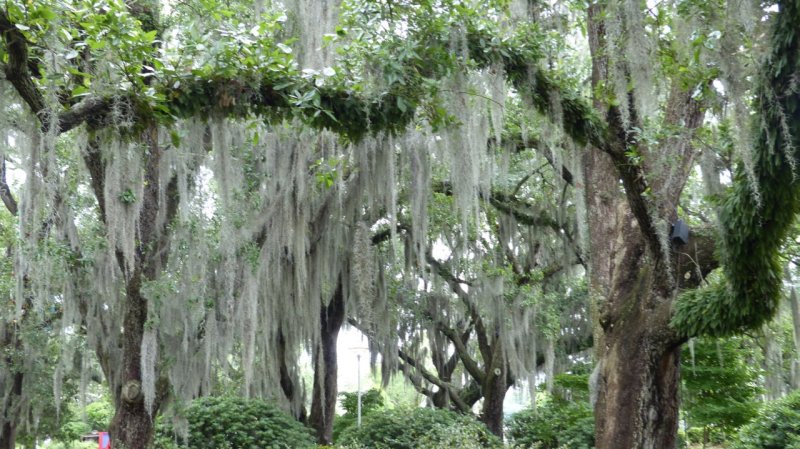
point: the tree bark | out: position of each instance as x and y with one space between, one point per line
132 425
638 384
323 403
773 365
494 394
632 282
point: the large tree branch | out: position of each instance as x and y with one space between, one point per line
433 379
5 191
16 69
338 107
634 181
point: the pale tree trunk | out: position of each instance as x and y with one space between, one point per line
550 364
773 365
323 402
794 302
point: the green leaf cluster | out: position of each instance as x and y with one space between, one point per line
555 424
776 427
720 386
371 401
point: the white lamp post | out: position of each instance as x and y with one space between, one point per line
358 371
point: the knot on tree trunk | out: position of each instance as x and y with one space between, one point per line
132 392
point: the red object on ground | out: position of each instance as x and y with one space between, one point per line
103 441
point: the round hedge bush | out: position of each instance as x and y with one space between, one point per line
239 423
777 426
555 424
419 428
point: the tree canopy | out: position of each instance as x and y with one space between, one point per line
203 191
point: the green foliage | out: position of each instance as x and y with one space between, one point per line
238 423
235 66
418 428
776 427
757 213
575 387
73 430
99 414
371 400
720 389
556 423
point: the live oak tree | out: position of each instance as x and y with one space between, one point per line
160 103
643 318
492 299
182 274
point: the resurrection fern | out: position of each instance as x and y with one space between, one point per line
753 229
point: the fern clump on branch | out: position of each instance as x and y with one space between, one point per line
754 228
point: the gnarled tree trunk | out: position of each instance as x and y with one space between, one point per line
633 277
132 425
639 375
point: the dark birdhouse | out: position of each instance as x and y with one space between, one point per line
680 233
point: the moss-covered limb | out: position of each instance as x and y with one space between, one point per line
354 114
519 57
756 219
335 105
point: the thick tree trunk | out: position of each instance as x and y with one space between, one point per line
494 393
638 354
132 426
773 365
639 383
323 403
632 281
8 438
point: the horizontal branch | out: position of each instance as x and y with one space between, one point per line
332 104
430 377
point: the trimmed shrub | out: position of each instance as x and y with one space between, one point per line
239 423
555 424
777 426
418 428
